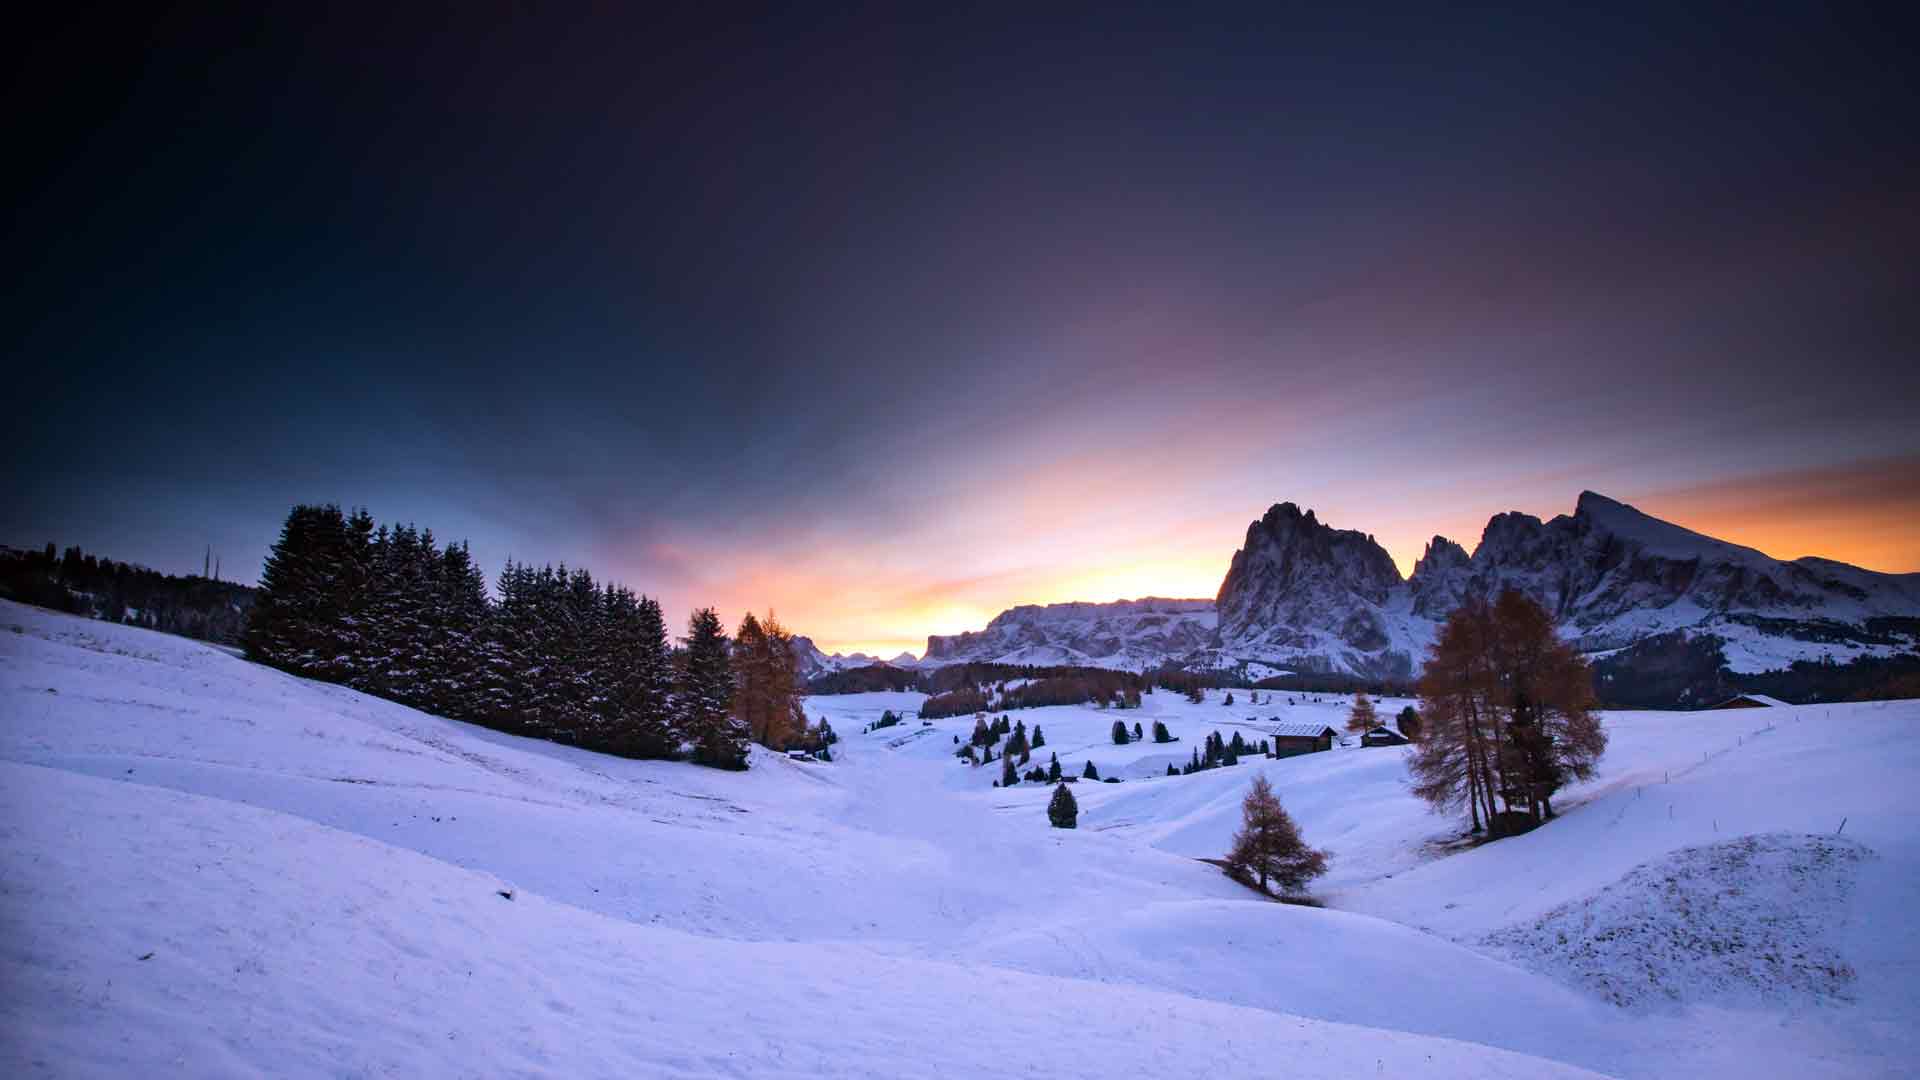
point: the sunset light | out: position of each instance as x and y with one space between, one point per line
1128 541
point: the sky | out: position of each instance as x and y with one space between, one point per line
888 322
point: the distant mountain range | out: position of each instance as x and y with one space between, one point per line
1305 597
812 661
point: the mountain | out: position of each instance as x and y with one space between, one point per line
1131 634
1314 598
812 661
1302 595
1615 576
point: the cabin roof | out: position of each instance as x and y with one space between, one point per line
1301 731
1772 702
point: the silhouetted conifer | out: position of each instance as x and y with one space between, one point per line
1063 812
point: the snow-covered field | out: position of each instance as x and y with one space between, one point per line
210 868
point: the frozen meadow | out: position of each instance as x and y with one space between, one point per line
211 868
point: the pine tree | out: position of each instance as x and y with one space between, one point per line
1268 845
1138 734
1039 740
1160 733
1119 733
719 738
509 695
1409 722
1053 769
1008 777
456 652
309 590
1090 773
390 656
1063 812
649 687
1017 742
1361 718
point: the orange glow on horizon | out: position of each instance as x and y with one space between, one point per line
885 593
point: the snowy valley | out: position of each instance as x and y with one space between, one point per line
214 868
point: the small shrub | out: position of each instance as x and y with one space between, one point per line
1063 811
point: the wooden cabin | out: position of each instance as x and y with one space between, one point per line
1383 736
1750 701
1291 739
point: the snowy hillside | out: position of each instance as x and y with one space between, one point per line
211 868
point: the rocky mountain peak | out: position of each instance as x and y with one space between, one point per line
1304 596
1289 546
1299 586
1441 555
1440 578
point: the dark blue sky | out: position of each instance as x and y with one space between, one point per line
890 321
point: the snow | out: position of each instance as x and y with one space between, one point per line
313 877
1310 731
1753 917
1662 538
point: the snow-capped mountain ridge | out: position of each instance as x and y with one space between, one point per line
1304 595
1122 634
813 660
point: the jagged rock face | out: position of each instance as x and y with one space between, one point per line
1125 633
1307 597
1302 592
1613 575
809 660
1439 581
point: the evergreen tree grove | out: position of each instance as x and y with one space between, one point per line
390 611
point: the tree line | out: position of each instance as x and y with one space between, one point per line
554 655
81 583
956 693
